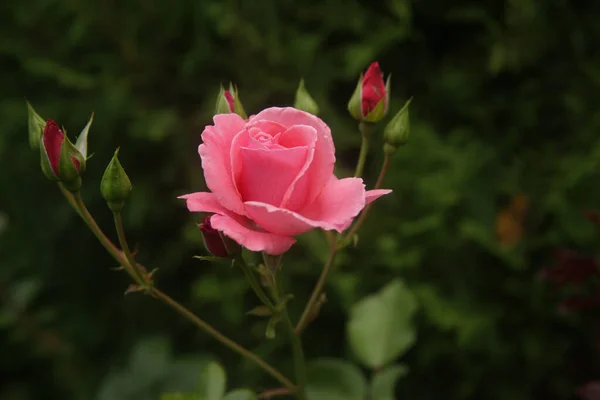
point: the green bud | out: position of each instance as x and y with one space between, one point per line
355 104
36 126
228 101
397 131
304 101
115 186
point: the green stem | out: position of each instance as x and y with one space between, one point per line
255 284
297 352
314 297
224 340
363 215
366 130
80 207
91 223
137 274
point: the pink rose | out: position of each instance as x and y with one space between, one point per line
271 178
52 141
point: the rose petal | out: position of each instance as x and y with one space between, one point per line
215 151
321 168
340 201
203 202
251 239
372 195
265 175
334 209
281 221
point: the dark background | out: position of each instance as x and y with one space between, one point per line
502 163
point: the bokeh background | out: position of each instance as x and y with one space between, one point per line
503 162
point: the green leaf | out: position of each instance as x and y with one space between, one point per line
240 394
332 379
82 141
380 327
260 311
212 258
212 382
384 382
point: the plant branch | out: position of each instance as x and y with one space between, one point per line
314 297
363 215
224 340
135 270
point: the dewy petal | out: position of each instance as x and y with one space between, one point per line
321 168
340 201
251 239
203 202
214 152
372 195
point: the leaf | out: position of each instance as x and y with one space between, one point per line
379 329
260 311
82 141
211 258
270 332
240 394
383 384
332 379
212 382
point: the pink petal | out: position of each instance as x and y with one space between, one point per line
340 201
203 202
251 239
372 195
336 207
281 221
321 168
214 152
270 127
264 175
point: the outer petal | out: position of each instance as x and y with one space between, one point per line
339 202
281 221
372 195
321 167
251 239
214 152
336 207
203 202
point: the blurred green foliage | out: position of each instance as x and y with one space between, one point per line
503 158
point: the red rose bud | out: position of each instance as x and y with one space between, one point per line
212 239
369 102
60 159
228 102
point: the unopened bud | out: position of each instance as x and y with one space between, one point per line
397 131
304 101
60 159
216 242
228 101
369 102
115 185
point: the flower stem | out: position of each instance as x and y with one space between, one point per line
80 207
362 157
363 215
135 270
297 352
314 297
77 203
255 284
224 340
